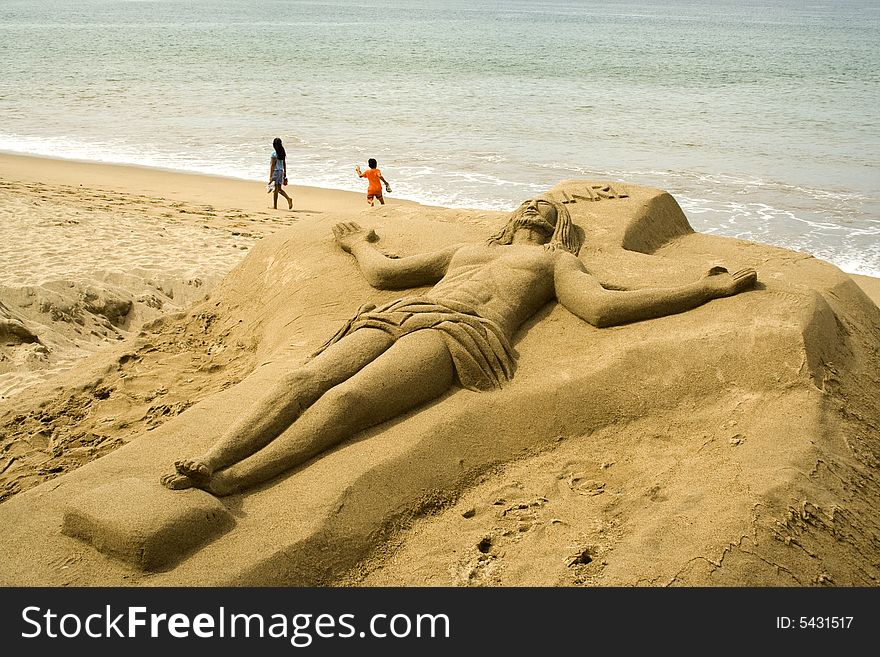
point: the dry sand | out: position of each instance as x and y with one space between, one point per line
869 285
734 444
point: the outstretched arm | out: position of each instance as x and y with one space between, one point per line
582 294
391 273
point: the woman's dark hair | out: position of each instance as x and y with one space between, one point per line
372 162
279 149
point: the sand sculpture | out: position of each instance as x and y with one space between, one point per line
388 360
734 443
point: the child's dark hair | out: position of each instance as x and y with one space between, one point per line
372 162
279 149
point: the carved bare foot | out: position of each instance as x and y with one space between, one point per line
220 485
176 481
196 470
217 484
724 284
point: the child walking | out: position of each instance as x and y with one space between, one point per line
374 176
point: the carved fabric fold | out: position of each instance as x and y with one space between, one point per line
483 356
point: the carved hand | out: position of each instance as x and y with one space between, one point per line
349 234
723 284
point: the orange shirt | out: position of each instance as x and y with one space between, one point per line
375 186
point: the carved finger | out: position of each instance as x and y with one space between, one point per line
744 279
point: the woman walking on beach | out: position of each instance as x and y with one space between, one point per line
278 174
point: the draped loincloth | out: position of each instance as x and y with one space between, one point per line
482 354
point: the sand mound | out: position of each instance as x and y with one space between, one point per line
736 443
83 266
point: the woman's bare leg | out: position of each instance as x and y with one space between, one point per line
289 200
416 369
293 393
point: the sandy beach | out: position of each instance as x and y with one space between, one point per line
128 297
870 285
604 364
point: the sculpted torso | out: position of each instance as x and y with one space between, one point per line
507 284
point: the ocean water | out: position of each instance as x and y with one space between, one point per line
761 117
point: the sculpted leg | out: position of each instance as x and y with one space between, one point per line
416 369
280 407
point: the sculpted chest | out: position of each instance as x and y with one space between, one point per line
532 259
517 274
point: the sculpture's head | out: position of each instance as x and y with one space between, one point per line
546 216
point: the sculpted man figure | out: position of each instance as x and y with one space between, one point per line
388 360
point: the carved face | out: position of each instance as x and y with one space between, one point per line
536 214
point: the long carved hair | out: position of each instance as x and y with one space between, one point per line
565 234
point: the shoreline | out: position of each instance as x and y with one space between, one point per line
176 184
